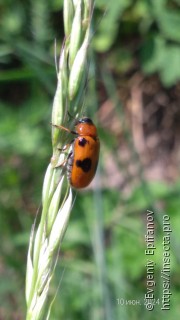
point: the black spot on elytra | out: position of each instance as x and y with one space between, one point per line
85 164
82 142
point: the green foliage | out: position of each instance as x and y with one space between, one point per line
163 44
109 24
156 54
155 23
162 49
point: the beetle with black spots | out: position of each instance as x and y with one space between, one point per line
83 158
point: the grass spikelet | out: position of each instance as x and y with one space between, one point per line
57 196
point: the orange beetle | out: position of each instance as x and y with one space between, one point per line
83 158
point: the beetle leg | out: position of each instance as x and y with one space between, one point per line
61 127
61 164
66 146
64 161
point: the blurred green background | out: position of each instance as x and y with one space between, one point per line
134 97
